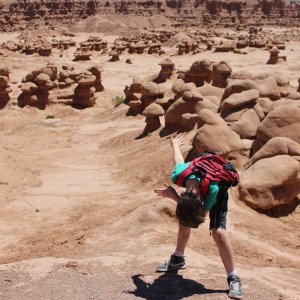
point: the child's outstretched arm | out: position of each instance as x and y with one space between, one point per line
176 142
168 192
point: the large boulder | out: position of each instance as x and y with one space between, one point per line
273 147
270 183
246 126
214 135
177 109
238 86
240 99
268 88
283 121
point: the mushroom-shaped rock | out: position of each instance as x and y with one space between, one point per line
274 57
178 109
167 69
96 71
151 91
4 71
43 82
84 92
82 55
115 55
4 89
271 184
135 86
29 97
152 114
220 74
199 72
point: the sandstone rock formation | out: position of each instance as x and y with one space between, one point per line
199 72
19 15
221 71
271 184
274 57
282 121
82 54
115 55
96 71
84 94
152 114
36 86
167 69
4 86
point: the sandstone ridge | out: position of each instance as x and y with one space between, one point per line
18 15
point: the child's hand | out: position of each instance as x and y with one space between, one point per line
168 192
177 140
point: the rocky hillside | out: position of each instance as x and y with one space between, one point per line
21 14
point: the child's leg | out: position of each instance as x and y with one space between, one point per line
225 249
183 236
218 220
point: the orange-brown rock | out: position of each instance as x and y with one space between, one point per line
152 113
5 88
84 94
283 121
214 135
270 183
275 146
221 71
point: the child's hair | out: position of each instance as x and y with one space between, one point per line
190 209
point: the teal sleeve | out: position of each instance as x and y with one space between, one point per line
211 197
178 169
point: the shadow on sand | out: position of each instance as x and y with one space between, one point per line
169 286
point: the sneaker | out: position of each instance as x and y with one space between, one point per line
175 263
235 287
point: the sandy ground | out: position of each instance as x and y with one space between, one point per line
79 218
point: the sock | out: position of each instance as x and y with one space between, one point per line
233 273
178 253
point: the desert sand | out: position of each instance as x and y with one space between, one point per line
79 218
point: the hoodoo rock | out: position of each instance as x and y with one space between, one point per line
221 71
36 86
4 87
199 72
85 92
274 57
152 114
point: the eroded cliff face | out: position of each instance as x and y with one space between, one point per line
21 14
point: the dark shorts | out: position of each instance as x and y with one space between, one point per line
218 213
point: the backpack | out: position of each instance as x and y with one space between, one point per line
211 167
